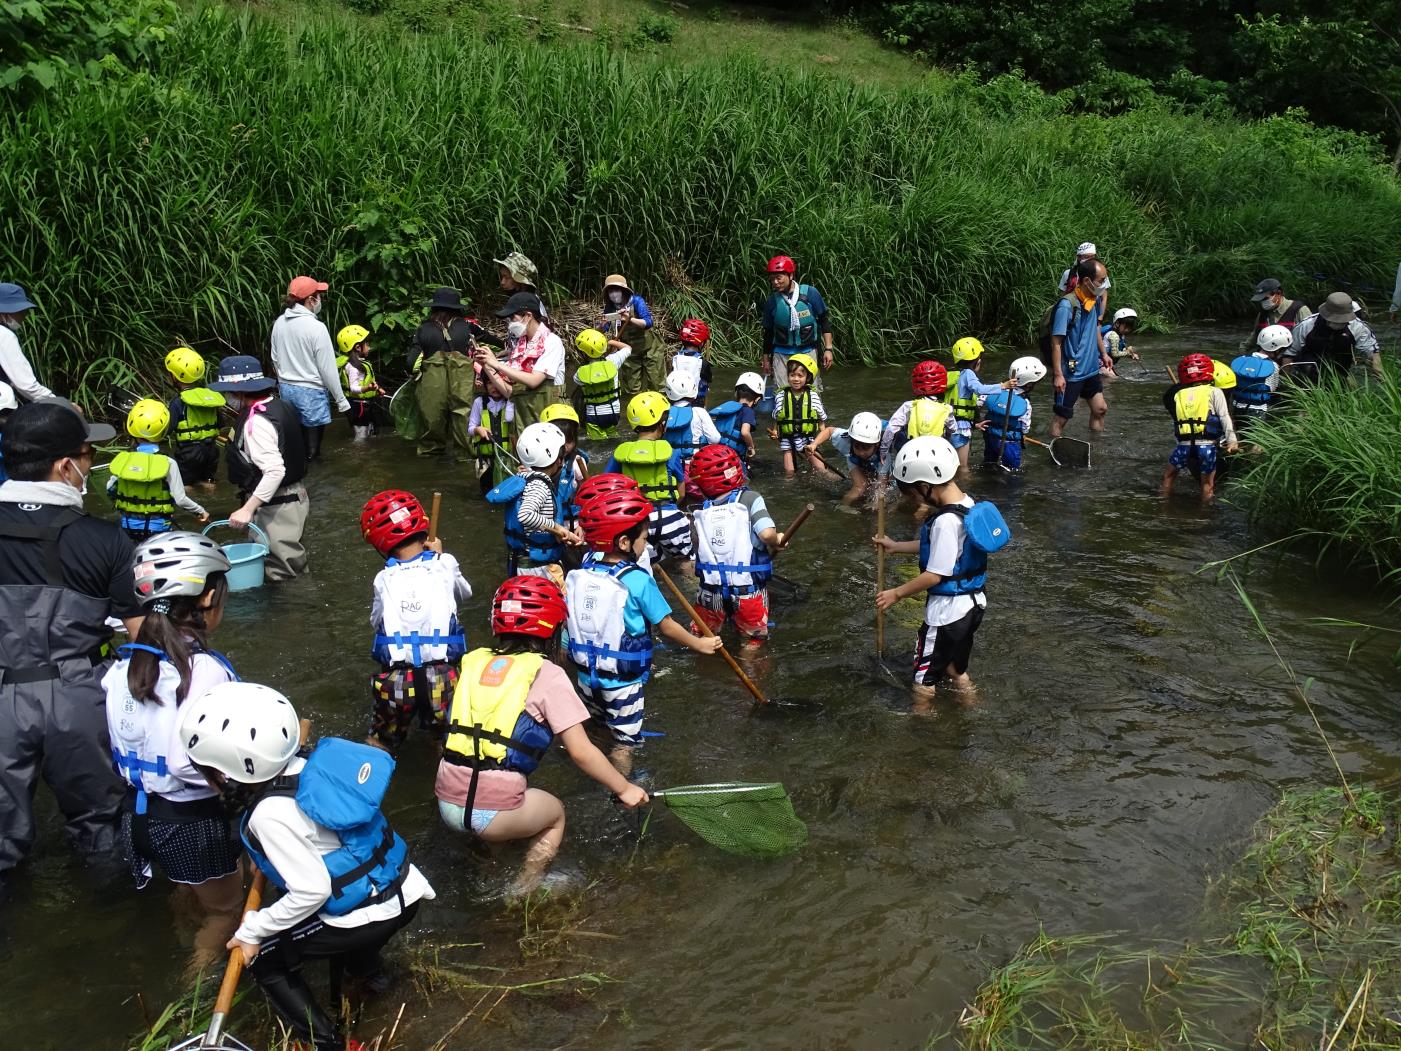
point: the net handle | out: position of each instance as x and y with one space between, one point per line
716 788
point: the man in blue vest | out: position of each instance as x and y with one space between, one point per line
795 322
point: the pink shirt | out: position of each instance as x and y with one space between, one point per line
552 701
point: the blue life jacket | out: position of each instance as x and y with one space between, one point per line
985 531
726 416
538 547
341 788
997 415
678 430
1252 389
566 486
787 339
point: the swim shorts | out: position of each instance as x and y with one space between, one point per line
1074 391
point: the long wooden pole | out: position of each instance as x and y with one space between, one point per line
803 516
758 694
880 571
433 516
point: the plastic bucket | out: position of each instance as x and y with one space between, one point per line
245 559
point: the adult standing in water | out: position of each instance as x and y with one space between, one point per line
533 377
1076 351
14 366
518 274
62 574
267 462
1273 308
1334 340
795 322
1086 250
628 319
441 354
305 362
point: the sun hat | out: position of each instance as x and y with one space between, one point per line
522 303
13 298
242 374
520 268
51 428
1086 248
303 287
1338 308
446 299
617 281
1265 289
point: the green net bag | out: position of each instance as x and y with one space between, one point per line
753 820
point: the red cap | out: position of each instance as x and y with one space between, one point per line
304 287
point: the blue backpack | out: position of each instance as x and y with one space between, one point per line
987 531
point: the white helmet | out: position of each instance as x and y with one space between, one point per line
245 731
1274 338
682 386
1026 371
7 397
928 459
1126 314
176 563
865 428
751 381
540 445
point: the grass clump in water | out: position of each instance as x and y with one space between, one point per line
1311 958
1329 469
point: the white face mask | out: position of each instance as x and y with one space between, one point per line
82 487
615 296
314 304
517 328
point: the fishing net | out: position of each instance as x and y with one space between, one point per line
403 409
755 820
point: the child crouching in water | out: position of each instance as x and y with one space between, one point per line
735 543
418 638
613 607
861 445
512 701
953 546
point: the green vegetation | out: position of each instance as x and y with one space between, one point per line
174 203
1329 470
1310 957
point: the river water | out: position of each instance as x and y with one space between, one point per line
1130 726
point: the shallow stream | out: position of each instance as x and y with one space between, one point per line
1130 726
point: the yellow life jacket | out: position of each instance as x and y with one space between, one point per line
599 382
928 418
488 726
963 408
645 461
368 381
1191 410
200 420
795 415
142 490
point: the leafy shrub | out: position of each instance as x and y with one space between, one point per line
43 42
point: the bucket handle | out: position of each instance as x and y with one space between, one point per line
252 526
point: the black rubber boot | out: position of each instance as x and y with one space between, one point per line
293 1000
312 437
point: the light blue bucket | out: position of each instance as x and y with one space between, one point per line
245 560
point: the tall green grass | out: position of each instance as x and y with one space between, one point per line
1330 467
176 203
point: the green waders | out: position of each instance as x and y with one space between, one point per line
645 368
445 393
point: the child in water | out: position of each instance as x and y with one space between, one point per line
358 380
1116 338
966 393
194 419
491 425
924 415
801 419
1201 419
953 546
735 420
511 702
597 382
145 486
660 471
693 357
418 638
861 445
688 426
536 506
1008 419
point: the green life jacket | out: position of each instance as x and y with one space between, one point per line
142 490
645 461
795 416
368 381
965 409
199 422
599 382
495 422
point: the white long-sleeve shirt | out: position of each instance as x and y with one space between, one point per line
302 353
260 446
295 844
16 368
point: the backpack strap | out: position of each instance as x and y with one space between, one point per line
47 535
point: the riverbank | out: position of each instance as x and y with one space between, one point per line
176 202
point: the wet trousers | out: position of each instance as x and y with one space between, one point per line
445 393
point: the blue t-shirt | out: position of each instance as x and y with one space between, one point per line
646 606
1080 351
639 309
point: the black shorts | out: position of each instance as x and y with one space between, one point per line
1074 391
947 645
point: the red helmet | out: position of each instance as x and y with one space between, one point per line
694 332
528 606
391 517
929 378
782 264
609 515
1195 368
716 470
602 484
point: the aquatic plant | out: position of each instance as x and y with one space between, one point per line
175 204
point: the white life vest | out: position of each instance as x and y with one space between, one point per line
418 605
687 365
598 640
729 557
145 737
